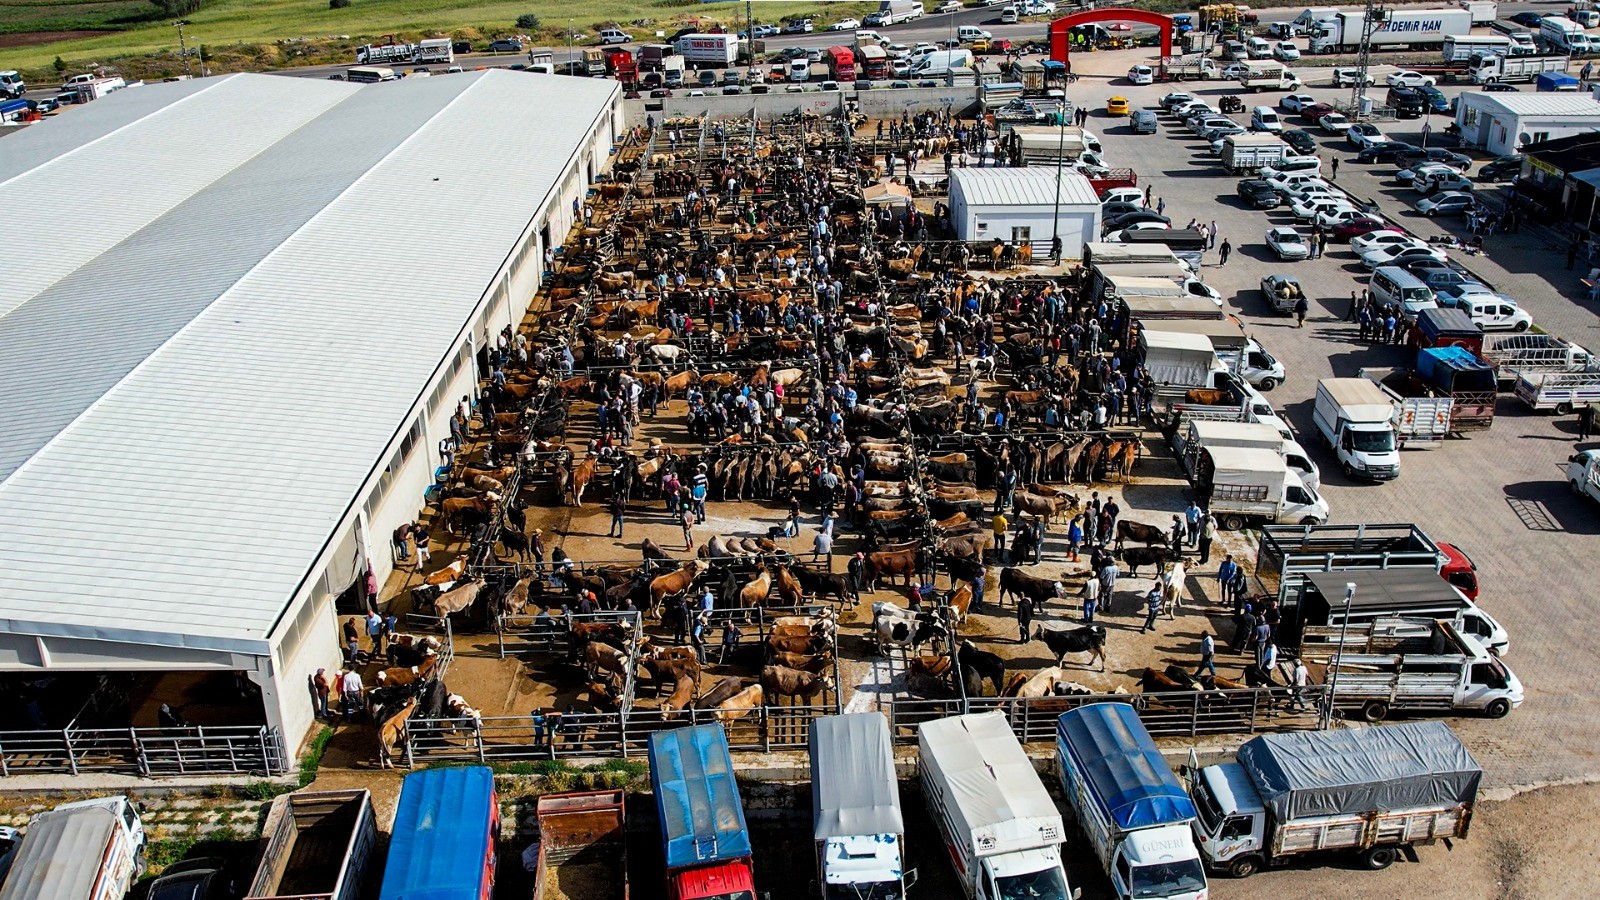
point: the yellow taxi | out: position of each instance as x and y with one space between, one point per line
1117 106
981 45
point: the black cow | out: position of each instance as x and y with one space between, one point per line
1137 557
978 666
1090 639
1018 583
1138 531
823 584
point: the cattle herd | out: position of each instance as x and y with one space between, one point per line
734 323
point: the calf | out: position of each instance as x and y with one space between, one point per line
739 705
721 691
1090 639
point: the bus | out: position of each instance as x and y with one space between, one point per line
445 830
841 62
1461 48
369 74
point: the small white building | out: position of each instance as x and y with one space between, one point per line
1503 123
1024 206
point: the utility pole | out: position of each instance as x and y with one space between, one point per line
1336 660
749 44
183 46
1374 18
1061 149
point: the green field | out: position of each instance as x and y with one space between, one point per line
272 33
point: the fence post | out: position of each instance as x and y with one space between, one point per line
1255 707
1194 716
5 768
72 759
411 762
622 731
477 731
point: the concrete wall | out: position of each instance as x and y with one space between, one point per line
876 104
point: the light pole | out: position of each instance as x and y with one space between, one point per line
1061 152
183 46
1337 659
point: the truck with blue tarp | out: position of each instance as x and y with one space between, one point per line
704 839
443 844
1469 381
1130 805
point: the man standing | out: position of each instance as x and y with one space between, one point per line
350 692
1000 524
1208 654
1152 608
1191 519
1262 637
1108 582
1333 167
1227 248
1300 679
822 548
1301 307
1208 533
1179 535
1091 598
618 506
1225 579
352 642
1024 618
375 632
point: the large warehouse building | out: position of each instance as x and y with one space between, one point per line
235 318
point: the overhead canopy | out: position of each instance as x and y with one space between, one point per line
1224 333
441 833
1386 588
1185 307
1176 340
1329 773
853 783
1143 286
1446 320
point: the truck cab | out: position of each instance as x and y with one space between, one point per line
1355 418
12 85
1583 474
1231 827
1259 368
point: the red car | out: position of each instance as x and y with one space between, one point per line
1355 228
1315 111
1000 45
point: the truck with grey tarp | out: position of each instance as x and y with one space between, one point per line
88 850
855 809
1371 791
317 846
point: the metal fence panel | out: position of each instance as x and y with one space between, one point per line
240 750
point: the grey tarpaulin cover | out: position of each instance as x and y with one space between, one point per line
853 786
1328 773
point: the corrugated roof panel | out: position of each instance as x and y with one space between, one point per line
188 504
1030 186
32 146
1539 103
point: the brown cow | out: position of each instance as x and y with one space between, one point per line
392 733
739 705
582 474
408 676
789 589
463 595
755 592
961 601
1208 397
673 583
899 562
781 681
721 691
598 656
679 383
804 662
682 694
1151 535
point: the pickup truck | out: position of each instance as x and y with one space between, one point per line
583 846
1583 474
85 850
1561 392
1408 665
1514 355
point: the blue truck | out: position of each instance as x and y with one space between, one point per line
443 844
1131 806
704 839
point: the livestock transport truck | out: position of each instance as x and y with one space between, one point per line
1369 791
1414 28
704 839
583 846
1408 665
1001 828
1131 807
855 809
87 850
317 846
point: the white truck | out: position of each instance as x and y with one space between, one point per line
1371 791
1193 437
1559 392
1409 665
1484 12
384 54
1564 34
1134 811
1252 151
1254 364
1000 826
1514 354
855 808
1583 474
435 51
939 63
1355 419
709 51
1415 28
1243 485
891 12
1268 76
87 850
12 85
1494 68
1421 414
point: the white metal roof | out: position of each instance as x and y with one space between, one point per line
1030 186
1532 103
248 289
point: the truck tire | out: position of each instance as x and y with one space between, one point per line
1244 866
1497 709
1376 858
1233 522
1563 409
1375 711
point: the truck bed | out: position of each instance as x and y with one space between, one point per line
583 847
308 843
1404 826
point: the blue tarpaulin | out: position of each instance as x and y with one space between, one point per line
697 799
441 835
1122 766
1556 81
1454 369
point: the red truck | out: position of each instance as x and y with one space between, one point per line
621 65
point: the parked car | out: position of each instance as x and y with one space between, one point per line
1117 106
1506 169
1354 228
1272 288
1446 180
1141 75
1258 194
1307 209
1143 121
1435 155
1123 195
505 45
1500 87
1383 238
1123 220
949 6
1288 243
1384 151
1334 123
798 26
845 25
1423 170
193 879
1118 207
1449 203
1172 101
1285 51
1364 135
1395 256
1347 77
1311 112
1434 99
1407 78
1194 287
1528 19
1299 141
614 36
1296 102
1494 312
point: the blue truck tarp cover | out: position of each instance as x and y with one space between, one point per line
697 799
1328 773
1122 765
1555 81
441 834
1445 320
1454 369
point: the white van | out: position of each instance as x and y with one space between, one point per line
1258 48
799 70
969 33
1008 16
1265 118
1392 284
1293 164
1493 311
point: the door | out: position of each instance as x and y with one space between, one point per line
1484 683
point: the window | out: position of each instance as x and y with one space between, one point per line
1471 118
1022 234
1236 827
982 227
1540 137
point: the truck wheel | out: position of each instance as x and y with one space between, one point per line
1244 866
1234 522
1267 384
1497 709
1563 409
1376 858
1349 471
1375 711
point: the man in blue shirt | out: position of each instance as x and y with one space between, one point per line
1225 573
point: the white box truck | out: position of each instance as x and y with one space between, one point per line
709 51
1409 665
855 808
1242 485
440 51
1484 12
1129 804
1194 436
1495 68
1268 76
1252 152
1416 28
1371 791
1355 419
1003 831
1564 34
88 850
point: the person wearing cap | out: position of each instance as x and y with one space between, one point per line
586 605
857 569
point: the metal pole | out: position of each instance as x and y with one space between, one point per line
183 46
1061 150
1337 658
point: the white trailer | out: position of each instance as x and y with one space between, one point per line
1514 354
1268 76
1484 12
1194 436
709 51
1561 392
1252 152
435 51
384 54
1421 415
87 850
1247 484
999 824
1414 28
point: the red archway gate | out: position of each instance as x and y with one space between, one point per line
1061 28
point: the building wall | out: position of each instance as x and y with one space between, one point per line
1078 225
1501 133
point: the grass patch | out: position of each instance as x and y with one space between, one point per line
262 790
235 847
313 757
